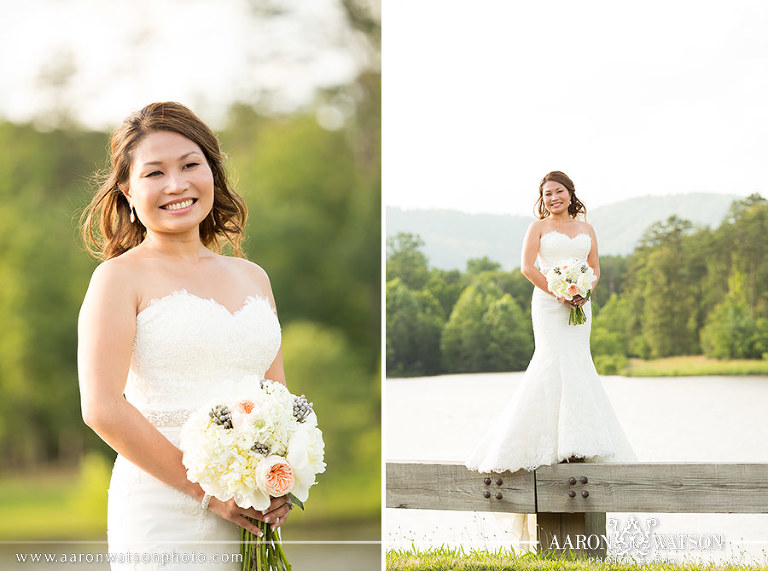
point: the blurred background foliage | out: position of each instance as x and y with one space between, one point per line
685 290
312 180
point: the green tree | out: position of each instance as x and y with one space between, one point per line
667 317
320 363
464 337
613 272
612 327
746 227
446 286
414 322
313 223
514 283
510 344
478 265
43 276
483 326
731 332
406 261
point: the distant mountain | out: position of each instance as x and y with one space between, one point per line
452 237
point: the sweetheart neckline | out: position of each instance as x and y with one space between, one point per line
566 235
180 292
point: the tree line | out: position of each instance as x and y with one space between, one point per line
685 290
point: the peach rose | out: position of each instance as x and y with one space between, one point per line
275 476
245 407
572 289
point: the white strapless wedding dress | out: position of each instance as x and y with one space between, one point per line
187 349
560 409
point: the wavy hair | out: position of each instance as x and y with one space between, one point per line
574 208
105 223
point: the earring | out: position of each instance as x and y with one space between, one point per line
133 214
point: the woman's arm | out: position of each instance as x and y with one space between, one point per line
528 258
276 371
279 510
593 259
106 330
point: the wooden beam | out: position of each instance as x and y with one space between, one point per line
576 533
451 486
664 488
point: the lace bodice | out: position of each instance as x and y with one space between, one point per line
556 247
187 348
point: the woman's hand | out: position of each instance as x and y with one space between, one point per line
578 301
276 513
564 301
229 510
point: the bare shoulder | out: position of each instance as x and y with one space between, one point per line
113 284
536 228
249 270
115 274
587 228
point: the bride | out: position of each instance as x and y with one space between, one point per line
166 322
560 411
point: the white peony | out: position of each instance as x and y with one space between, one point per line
306 459
230 463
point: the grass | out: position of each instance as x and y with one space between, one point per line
57 504
44 506
695 365
456 559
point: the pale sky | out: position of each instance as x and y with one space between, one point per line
483 98
204 53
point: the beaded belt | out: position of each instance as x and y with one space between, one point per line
167 418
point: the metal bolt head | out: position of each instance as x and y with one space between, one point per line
487 481
571 480
584 480
571 494
584 494
486 494
499 481
498 495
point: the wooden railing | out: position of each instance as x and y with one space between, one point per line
572 499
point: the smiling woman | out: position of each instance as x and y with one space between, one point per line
560 412
159 221
142 149
177 181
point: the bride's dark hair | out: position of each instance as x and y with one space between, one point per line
105 223
574 208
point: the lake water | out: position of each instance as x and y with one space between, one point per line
670 419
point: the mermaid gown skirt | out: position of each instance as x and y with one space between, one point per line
560 409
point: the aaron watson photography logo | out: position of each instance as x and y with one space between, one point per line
636 538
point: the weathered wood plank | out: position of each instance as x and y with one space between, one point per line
657 487
664 488
451 486
577 533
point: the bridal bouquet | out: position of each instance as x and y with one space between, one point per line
258 441
570 279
